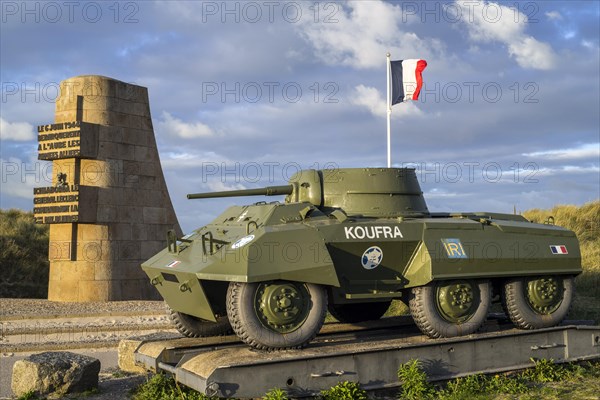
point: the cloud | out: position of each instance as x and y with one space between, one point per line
554 15
370 98
492 22
17 131
589 150
176 127
361 35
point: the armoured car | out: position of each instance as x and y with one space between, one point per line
350 241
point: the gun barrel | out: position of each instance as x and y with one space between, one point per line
266 191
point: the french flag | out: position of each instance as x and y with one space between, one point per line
559 249
406 79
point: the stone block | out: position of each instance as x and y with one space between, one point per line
61 232
90 232
103 271
126 213
60 250
131 289
59 290
137 136
139 232
97 173
95 291
125 151
155 215
146 182
151 247
129 92
120 231
146 123
106 214
55 373
128 250
126 356
143 153
83 270
110 134
131 270
96 117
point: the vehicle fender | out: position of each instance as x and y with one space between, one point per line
294 252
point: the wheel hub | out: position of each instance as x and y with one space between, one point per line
544 294
282 307
457 301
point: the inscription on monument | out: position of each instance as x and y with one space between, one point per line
61 202
64 204
74 139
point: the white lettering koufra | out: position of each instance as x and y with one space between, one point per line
372 232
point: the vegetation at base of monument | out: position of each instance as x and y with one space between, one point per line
164 387
31 395
344 391
545 380
23 255
276 394
585 222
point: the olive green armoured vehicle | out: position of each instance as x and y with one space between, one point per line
350 241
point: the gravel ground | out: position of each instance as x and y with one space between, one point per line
41 308
42 322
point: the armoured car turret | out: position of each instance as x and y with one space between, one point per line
350 241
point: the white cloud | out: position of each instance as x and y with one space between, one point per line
372 99
20 176
18 131
176 127
554 15
590 150
492 22
362 35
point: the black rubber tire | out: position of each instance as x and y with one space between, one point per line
195 327
517 308
424 310
358 312
247 325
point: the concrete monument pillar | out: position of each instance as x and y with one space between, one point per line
108 207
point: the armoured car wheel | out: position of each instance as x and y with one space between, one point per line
450 308
352 313
277 314
537 302
191 326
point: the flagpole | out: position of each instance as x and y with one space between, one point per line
389 114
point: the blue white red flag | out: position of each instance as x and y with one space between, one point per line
406 79
559 249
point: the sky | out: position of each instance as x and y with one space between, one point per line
244 94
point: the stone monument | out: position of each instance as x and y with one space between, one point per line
108 207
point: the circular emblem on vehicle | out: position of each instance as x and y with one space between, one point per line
242 242
372 257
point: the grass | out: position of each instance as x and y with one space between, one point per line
585 222
23 255
163 387
546 380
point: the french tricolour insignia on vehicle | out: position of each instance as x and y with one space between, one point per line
372 257
172 264
559 249
454 248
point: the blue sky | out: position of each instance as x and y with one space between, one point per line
243 94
